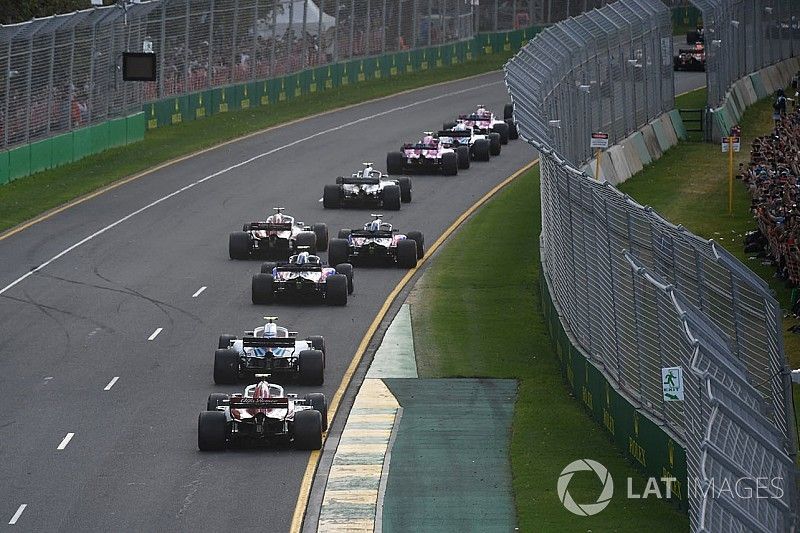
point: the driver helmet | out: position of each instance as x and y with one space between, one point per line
460 127
375 225
270 330
277 218
302 258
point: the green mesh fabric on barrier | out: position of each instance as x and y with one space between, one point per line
4 168
62 149
98 138
136 127
117 132
19 162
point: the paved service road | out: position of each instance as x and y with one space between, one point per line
107 350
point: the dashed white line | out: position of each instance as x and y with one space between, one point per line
65 441
320 200
194 184
199 292
111 383
17 514
155 334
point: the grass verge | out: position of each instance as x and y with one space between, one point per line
488 274
28 197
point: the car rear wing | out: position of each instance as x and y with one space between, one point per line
360 181
259 403
372 234
308 267
420 146
454 133
268 342
268 226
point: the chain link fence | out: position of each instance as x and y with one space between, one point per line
742 36
640 294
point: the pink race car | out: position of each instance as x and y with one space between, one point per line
427 155
484 122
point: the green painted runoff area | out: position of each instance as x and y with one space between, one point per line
450 468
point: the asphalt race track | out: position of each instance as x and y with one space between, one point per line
135 257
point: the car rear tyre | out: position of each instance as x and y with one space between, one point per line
212 430
481 150
317 342
391 197
215 399
463 156
347 270
332 197
513 133
336 292
502 129
319 403
405 190
321 233
239 245
226 367
450 164
263 290
418 238
494 143
308 430
225 341
508 111
306 241
338 251
407 253
394 163
344 234
312 367
268 267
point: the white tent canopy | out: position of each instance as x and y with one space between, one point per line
290 15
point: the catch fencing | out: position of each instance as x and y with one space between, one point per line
639 294
743 36
64 72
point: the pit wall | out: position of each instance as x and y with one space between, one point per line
77 144
644 443
747 91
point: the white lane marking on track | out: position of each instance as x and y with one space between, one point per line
111 383
234 167
199 292
17 514
155 334
65 441
320 200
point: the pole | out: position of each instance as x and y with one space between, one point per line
598 154
730 175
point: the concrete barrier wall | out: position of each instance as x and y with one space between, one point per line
747 91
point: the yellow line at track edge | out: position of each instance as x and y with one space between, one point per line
102 190
313 460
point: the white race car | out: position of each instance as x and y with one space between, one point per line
368 188
480 145
263 415
269 348
484 121
277 237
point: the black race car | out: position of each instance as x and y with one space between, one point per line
303 277
367 188
276 238
377 241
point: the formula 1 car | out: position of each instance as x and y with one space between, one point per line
269 348
263 415
484 121
691 58
276 237
368 187
480 147
303 276
378 240
428 155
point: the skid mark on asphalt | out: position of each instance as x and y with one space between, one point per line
240 164
43 308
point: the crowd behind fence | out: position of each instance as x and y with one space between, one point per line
640 294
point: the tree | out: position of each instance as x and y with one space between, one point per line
12 11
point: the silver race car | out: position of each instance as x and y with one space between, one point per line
367 188
277 237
